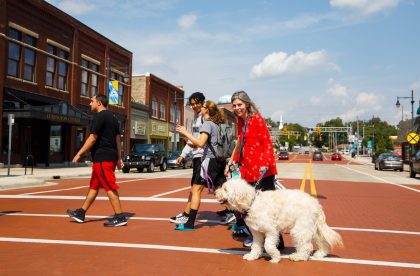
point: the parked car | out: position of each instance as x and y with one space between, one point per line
283 155
145 156
317 155
186 163
336 156
388 161
415 165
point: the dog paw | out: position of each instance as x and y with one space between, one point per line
319 254
250 257
298 257
275 260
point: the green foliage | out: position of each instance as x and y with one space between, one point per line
374 130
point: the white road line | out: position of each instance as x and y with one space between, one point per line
171 192
379 178
104 198
102 217
200 250
376 230
211 221
52 191
122 181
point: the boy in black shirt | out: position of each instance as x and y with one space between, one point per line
104 142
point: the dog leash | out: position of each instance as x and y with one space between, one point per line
257 184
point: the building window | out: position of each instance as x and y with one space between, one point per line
55 139
154 107
85 78
90 79
50 67
94 80
21 59
162 110
57 68
172 114
178 115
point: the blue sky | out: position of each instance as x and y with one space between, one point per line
309 61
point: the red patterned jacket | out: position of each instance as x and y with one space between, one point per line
258 149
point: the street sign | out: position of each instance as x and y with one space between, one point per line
369 144
413 138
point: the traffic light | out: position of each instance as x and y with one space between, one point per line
318 130
285 129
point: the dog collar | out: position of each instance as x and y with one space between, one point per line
252 202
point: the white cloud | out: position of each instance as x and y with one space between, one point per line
365 7
150 60
367 99
187 21
279 63
74 7
335 89
315 100
416 86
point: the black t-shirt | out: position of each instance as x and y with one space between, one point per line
105 126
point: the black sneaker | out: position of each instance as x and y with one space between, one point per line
78 215
223 213
117 220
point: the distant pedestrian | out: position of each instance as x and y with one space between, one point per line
104 142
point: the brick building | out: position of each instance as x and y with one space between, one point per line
51 64
159 95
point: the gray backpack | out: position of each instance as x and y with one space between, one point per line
224 144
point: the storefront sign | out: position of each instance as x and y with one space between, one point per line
62 118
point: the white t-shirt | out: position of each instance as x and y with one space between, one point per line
195 151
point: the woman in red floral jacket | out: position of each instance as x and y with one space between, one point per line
254 152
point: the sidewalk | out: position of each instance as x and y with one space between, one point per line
18 179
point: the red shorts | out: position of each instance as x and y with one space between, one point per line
103 176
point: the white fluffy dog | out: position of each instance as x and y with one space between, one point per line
270 213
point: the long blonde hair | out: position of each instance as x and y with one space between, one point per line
214 112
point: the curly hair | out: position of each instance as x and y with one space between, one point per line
215 114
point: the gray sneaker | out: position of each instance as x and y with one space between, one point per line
179 219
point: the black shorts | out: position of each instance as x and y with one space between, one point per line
196 178
216 171
266 184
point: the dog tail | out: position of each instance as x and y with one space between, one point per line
326 235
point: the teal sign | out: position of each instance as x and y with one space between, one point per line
369 144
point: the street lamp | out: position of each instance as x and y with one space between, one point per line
175 121
412 107
412 113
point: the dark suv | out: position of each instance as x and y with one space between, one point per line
145 156
415 165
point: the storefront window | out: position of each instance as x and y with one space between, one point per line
55 139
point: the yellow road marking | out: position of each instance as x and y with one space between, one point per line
313 190
308 168
302 185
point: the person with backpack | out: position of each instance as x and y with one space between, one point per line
196 101
253 155
212 166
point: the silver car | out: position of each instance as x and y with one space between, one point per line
389 161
